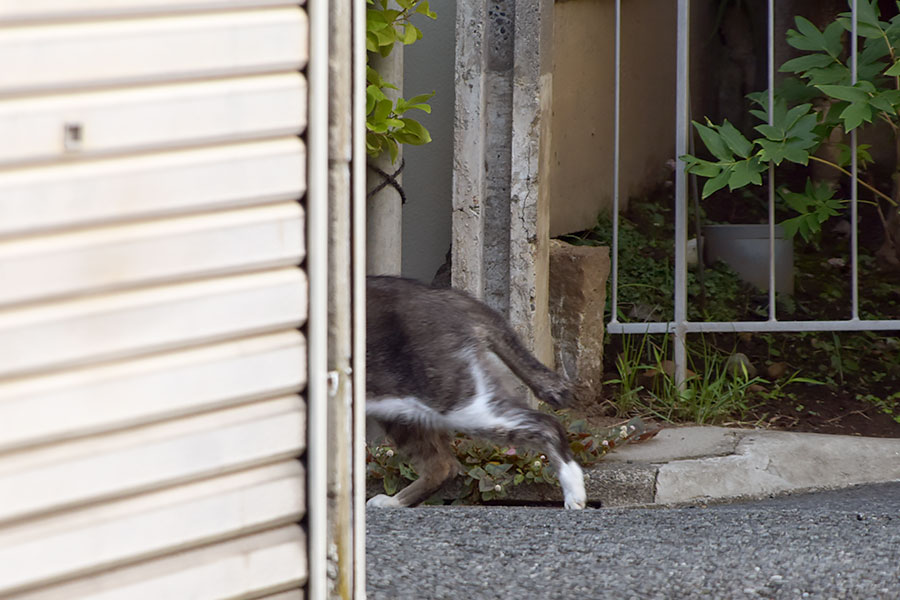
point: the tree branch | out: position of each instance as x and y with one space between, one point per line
872 189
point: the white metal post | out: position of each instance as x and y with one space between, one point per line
771 78
615 211
854 177
317 270
682 104
358 270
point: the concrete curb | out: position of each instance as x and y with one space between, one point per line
714 464
699 465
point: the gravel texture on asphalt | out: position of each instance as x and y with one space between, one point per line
827 545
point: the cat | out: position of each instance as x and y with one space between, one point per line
431 369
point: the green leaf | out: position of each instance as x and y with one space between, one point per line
868 24
407 472
807 36
745 171
717 182
375 20
736 142
886 101
477 473
894 71
854 115
804 63
424 9
374 77
833 34
391 15
486 484
815 205
420 98
497 470
411 34
371 42
771 132
835 73
386 38
373 144
417 102
796 155
796 225
713 142
862 155
772 151
794 115
700 167
413 133
845 92
383 109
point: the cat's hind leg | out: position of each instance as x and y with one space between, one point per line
430 453
544 433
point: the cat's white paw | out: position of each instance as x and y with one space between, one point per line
383 501
572 480
576 503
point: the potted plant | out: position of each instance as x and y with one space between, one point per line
817 107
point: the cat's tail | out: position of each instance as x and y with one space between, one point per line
503 341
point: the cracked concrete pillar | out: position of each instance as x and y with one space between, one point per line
501 161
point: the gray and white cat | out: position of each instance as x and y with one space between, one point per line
431 370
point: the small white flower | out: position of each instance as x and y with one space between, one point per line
389 453
623 431
605 443
498 488
537 464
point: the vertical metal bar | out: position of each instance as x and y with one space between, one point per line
682 104
771 76
358 270
317 325
614 306
854 177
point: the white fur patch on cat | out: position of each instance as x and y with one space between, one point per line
476 414
383 501
572 481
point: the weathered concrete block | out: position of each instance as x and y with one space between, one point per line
578 277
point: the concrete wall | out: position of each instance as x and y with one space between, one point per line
583 78
428 66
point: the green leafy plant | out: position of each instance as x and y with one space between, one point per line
488 472
889 405
719 390
386 123
807 109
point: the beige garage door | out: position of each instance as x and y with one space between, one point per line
152 299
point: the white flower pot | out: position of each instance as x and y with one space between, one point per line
745 248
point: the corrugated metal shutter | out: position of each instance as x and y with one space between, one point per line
152 361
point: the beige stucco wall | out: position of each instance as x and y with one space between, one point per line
581 176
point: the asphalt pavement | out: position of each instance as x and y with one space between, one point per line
824 545
715 513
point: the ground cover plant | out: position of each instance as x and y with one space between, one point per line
488 472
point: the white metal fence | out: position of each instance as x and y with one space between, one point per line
680 326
